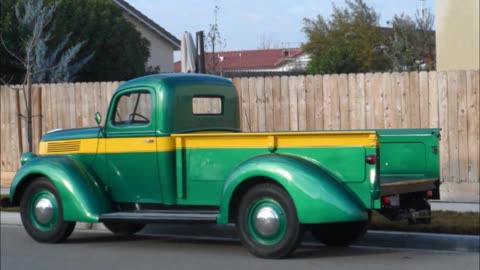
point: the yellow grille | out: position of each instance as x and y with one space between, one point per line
69 146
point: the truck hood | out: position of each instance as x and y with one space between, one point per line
70 134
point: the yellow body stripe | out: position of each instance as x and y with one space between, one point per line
111 145
284 139
210 140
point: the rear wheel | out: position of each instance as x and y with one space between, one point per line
123 228
41 213
339 234
267 222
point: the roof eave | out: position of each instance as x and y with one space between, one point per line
175 43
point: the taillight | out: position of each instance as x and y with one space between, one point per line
371 159
429 193
386 200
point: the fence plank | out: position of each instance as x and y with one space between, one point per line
344 96
78 101
453 89
405 99
423 99
319 120
285 104
36 114
72 106
414 108
61 100
3 127
433 100
369 102
302 103
245 109
309 102
327 102
9 129
12 128
377 84
462 127
269 118
293 102
277 106
388 102
473 131
352 98
397 115
261 110
360 105
6 114
252 93
443 119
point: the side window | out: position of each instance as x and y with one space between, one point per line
132 109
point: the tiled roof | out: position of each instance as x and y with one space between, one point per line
250 59
148 22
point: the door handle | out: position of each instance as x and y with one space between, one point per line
148 140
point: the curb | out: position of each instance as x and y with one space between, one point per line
430 241
384 239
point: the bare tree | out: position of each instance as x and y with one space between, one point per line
266 42
412 45
41 64
214 39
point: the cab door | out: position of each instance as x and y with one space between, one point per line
130 147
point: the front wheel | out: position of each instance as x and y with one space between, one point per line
41 213
267 222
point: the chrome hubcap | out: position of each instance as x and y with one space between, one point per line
43 210
266 221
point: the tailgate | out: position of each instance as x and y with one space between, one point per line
409 160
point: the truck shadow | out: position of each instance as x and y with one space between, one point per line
307 251
219 244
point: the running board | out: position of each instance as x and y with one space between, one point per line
161 216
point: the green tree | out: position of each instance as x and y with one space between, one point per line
334 60
412 44
121 53
350 36
40 62
10 68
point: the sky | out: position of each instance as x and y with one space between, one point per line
244 24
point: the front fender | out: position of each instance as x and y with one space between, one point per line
81 196
317 195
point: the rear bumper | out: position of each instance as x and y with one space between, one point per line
403 186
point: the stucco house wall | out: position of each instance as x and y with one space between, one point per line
161 51
162 42
457 34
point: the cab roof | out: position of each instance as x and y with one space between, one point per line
174 79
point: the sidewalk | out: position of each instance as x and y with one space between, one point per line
384 239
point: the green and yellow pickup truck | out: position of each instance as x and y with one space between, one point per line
171 151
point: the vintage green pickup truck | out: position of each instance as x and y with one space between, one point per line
171 151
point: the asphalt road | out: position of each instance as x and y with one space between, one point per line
101 250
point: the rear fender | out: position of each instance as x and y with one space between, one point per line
317 195
81 196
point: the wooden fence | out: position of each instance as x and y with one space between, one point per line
449 100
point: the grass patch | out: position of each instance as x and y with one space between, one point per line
442 222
